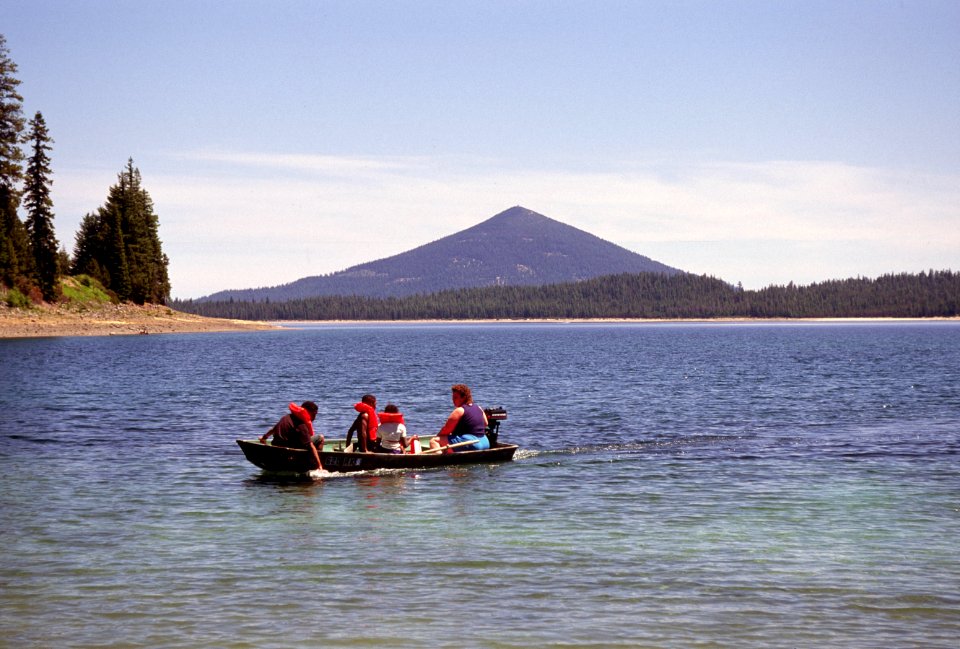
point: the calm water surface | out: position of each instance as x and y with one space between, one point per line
776 485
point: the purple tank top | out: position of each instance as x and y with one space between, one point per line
471 423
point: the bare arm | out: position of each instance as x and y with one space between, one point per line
354 428
305 431
452 421
266 435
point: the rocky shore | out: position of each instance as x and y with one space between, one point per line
111 319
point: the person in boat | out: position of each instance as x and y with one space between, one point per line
392 430
295 430
466 422
365 425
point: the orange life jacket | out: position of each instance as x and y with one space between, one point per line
371 419
303 415
391 417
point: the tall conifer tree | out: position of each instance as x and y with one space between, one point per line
120 244
88 250
14 245
39 207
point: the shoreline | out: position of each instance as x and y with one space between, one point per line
76 320
292 324
48 321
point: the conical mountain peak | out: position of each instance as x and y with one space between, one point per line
515 247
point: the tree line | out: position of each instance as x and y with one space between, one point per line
119 244
642 295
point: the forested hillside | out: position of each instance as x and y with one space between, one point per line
643 295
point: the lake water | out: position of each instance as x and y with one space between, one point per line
679 485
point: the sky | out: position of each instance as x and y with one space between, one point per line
760 142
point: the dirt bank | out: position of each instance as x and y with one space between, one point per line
109 320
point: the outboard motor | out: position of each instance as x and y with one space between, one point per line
494 417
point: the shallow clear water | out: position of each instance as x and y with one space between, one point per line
775 485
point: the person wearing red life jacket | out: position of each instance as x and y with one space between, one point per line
295 430
392 430
365 425
467 422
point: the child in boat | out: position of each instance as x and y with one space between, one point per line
393 432
365 425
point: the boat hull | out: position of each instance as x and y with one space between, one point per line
278 459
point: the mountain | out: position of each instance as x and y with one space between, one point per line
515 247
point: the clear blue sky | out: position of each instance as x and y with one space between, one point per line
761 142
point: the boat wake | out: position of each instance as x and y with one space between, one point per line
657 445
322 474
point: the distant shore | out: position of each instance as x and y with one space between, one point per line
46 321
295 323
129 319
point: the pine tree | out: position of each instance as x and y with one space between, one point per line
147 264
39 207
115 249
88 250
63 260
120 244
14 244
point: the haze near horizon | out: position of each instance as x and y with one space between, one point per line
758 142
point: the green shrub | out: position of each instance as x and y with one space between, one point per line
17 300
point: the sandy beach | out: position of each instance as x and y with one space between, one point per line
111 319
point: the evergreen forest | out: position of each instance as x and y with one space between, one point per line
118 245
641 295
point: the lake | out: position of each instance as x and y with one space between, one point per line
678 485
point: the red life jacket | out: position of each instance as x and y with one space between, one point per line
371 419
391 418
303 415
